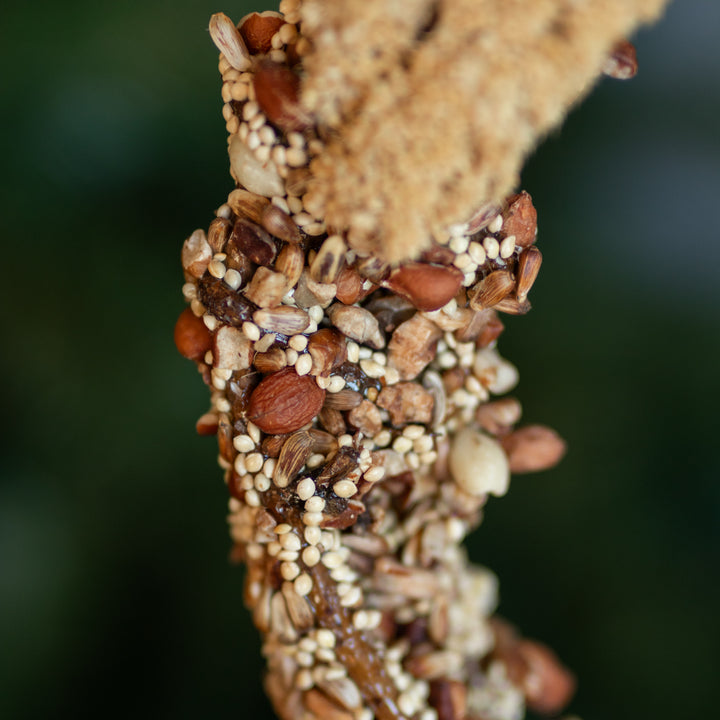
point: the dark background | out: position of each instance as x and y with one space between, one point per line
116 596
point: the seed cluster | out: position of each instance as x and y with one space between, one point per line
358 429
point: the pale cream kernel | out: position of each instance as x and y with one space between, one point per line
243 443
315 504
289 570
306 488
313 535
311 555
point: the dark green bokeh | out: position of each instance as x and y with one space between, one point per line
116 596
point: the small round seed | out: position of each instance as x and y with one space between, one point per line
313 535
312 518
289 570
303 584
315 504
298 342
337 383
254 462
283 529
311 555
251 331
507 246
306 488
290 541
243 443
303 365
344 488
492 248
375 473
332 559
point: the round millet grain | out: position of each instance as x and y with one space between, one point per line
306 488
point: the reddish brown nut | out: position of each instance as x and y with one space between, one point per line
285 401
520 219
257 30
428 287
533 448
449 698
192 338
349 286
328 351
622 63
548 685
207 424
276 90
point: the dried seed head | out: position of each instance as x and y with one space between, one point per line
491 290
229 42
527 272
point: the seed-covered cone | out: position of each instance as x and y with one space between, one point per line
354 402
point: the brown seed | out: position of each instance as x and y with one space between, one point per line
343 462
267 288
322 442
499 416
477 322
196 254
533 448
439 254
407 402
527 272
372 268
276 91
272 445
490 332
278 223
511 306
246 204
622 63
270 361
284 319
192 338
297 181
218 234
434 665
225 436
253 241
207 424
449 698
329 259
229 42
428 287
295 451
520 219
393 578
413 346
358 324
491 290
285 401
290 262
281 623
343 691
319 705
328 351
481 218
257 30
346 399
298 608
349 286
332 420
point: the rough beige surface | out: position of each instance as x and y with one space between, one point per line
426 126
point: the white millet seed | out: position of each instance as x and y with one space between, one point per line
306 488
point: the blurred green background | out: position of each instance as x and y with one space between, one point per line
116 596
